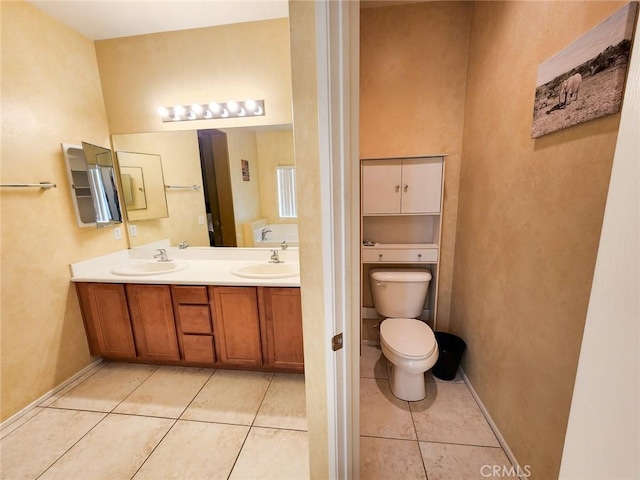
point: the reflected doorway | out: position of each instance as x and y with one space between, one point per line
216 178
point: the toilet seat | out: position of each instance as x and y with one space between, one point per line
408 337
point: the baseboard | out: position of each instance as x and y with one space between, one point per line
16 416
493 426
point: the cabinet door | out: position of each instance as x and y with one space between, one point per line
106 320
381 182
281 315
153 322
236 325
421 185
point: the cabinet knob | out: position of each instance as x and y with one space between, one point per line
379 256
419 256
406 187
397 188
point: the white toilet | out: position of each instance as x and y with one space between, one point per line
407 342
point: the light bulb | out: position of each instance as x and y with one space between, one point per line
179 110
175 117
224 113
241 112
196 108
208 114
250 105
191 115
215 108
232 106
163 111
258 111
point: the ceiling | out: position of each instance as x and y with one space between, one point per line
102 19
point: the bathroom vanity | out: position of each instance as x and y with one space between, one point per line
200 314
401 219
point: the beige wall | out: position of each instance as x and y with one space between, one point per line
413 70
230 62
50 94
180 157
530 213
305 94
274 148
246 195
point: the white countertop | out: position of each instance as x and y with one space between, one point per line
207 266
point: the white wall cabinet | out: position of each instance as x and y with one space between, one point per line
401 217
401 186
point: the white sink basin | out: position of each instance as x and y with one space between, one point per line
141 268
268 270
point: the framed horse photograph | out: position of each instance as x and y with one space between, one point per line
585 80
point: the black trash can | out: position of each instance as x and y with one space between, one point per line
450 349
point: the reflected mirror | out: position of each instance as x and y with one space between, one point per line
142 185
221 186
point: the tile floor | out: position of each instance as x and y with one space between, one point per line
130 421
443 437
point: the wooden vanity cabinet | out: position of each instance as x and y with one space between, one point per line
281 326
106 320
194 323
153 323
237 326
240 327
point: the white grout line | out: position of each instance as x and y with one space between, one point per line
494 427
16 416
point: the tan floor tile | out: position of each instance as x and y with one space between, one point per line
273 454
230 396
373 364
390 459
103 391
166 393
449 414
463 462
284 405
430 377
381 413
18 422
371 330
195 451
115 449
36 445
73 384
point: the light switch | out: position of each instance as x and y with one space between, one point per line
133 230
117 233
200 219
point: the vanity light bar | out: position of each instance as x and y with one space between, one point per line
213 110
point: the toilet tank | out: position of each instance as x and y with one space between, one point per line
399 293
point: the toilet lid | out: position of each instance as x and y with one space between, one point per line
408 337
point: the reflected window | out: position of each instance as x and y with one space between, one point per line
287 191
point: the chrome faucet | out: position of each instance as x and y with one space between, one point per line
161 255
263 236
183 245
275 258
284 245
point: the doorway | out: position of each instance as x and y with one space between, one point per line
216 178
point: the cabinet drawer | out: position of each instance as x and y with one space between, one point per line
198 348
194 295
427 255
195 319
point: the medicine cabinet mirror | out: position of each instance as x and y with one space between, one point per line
94 190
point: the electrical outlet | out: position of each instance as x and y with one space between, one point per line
117 233
200 219
133 230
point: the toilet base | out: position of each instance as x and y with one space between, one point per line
406 386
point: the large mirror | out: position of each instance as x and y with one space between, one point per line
223 187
